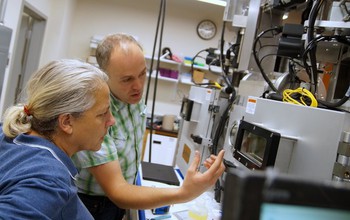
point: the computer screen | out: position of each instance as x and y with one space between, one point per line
268 195
272 211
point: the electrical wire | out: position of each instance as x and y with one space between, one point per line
294 78
299 96
224 60
161 17
306 13
312 71
308 56
339 103
297 62
267 55
221 57
214 84
222 42
218 133
312 45
153 51
255 54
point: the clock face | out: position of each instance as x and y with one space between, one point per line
206 29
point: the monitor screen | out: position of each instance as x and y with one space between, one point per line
273 211
266 195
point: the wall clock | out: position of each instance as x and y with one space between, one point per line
206 29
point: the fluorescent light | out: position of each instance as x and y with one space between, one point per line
215 2
285 16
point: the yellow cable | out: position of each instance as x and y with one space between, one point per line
287 97
217 85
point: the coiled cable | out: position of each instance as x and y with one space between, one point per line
300 96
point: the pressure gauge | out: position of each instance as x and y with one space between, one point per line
206 29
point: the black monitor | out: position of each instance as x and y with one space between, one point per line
256 147
265 195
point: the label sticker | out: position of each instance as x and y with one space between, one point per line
186 153
251 105
208 95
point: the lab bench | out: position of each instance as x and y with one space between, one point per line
177 211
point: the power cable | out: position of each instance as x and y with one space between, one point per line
312 53
257 39
160 22
153 51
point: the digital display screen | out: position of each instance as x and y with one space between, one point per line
272 211
253 146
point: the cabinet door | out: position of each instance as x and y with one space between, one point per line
163 149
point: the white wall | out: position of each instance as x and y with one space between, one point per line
139 18
58 30
58 16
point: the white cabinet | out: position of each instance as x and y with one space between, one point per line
163 149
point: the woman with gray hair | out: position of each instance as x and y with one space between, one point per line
67 110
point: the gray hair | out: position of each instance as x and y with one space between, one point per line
61 86
104 50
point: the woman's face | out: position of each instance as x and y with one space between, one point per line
90 128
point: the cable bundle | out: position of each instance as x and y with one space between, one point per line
300 96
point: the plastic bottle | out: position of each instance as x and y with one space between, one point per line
198 210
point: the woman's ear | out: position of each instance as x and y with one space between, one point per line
65 123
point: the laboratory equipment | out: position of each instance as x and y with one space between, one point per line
200 115
312 54
262 195
282 60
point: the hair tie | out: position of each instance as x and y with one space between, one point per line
26 110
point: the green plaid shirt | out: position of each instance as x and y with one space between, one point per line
123 142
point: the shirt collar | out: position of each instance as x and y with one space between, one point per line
38 141
117 104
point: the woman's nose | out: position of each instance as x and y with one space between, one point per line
111 120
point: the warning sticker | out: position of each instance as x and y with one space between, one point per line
251 105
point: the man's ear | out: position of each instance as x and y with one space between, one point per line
65 123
